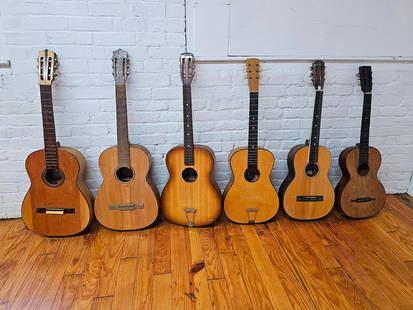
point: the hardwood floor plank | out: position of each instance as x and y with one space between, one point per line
162 248
403 213
219 290
131 244
198 275
272 283
102 303
162 292
210 253
80 254
222 238
66 292
124 297
406 199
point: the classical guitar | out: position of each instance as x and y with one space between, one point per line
306 192
58 202
190 197
359 193
250 196
127 198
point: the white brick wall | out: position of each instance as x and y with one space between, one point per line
84 33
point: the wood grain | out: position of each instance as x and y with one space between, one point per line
334 263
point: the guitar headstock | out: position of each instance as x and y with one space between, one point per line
318 74
366 80
47 67
187 63
120 65
253 74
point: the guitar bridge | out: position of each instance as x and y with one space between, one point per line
56 211
362 199
252 215
126 207
309 198
190 216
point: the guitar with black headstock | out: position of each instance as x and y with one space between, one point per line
307 193
127 198
58 202
359 193
191 196
250 197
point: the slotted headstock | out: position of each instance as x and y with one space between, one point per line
187 63
366 80
120 65
318 74
47 67
253 74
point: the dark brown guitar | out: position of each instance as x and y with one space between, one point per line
58 202
360 194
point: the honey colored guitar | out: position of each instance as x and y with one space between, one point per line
360 194
250 196
190 196
307 193
127 198
58 202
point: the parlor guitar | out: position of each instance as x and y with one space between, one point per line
127 198
190 197
306 192
250 196
58 202
359 193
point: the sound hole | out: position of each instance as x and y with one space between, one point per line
124 174
252 175
363 169
53 177
189 175
311 169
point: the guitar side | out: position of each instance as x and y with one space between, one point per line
196 203
359 196
126 205
250 202
73 194
301 185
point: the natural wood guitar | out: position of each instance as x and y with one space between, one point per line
127 198
307 193
58 202
250 196
191 196
359 193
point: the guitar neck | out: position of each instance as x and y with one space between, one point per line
122 126
365 130
253 131
49 130
315 131
188 127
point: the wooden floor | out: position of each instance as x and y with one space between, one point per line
335 263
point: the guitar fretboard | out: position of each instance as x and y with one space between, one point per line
49 131
253 131
365 130
315 131
188 129
122 126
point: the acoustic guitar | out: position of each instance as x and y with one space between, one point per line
127 198
191 196
58 202
359 193
307 193
250 196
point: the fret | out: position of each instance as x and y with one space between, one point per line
122 126
49 131
188 126
315 131
365 130
253 131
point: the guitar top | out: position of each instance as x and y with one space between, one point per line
58 202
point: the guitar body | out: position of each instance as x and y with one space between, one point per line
193 203
360 196
126 205
298 184
250 202
71 194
